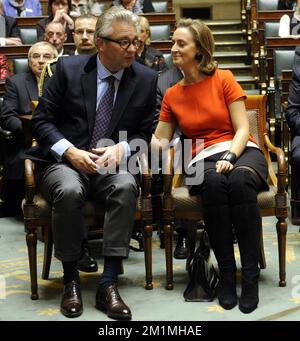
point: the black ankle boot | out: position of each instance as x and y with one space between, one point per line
249 296
227 290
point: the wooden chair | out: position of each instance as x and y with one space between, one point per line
178 204
37 213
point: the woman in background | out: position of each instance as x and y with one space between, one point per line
146 54
58 11
136 6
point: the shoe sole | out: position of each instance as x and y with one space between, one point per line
88 271
113 316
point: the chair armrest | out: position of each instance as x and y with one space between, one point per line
29 181
6 134
168 172
281 165
146 176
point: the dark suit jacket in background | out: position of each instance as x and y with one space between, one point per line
148 6
20 90
165 81
68 106
12 30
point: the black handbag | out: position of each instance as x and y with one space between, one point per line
203 278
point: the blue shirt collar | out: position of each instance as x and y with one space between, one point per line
103 73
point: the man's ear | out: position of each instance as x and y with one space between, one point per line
99 43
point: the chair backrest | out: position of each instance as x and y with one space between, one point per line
168 59
267 5
28 35
271 29
160 6
283 60
20 65
160 32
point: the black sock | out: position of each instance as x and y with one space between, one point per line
111 271
70 271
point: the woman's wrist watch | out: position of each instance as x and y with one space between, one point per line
229 156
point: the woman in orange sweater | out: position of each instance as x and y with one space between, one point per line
209 104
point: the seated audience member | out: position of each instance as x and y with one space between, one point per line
80 7
287 4
293 120
146 54
90 91
290 24
135 6
84 35
22 8
4 72
20 90
234 172
9 31
55 35
58 11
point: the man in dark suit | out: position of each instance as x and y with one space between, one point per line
87 99
293 120
9 31
20 90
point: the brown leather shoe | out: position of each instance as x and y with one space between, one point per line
71 302
110 301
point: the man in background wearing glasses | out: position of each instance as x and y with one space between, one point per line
90 98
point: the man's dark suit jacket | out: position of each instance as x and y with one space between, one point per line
12 30
67 108
165 81
20 90
293 110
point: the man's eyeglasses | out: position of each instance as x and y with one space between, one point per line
125 43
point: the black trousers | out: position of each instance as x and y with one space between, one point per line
295 177
67 191
230 201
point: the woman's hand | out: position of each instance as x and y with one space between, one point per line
223 166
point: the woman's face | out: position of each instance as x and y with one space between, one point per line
144 34
184 48
59 4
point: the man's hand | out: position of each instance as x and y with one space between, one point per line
82 160
13 41
109 157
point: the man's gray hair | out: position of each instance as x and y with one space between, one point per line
43 43
114 14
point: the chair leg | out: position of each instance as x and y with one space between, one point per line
31 241
48 247
281 227
168 235
147 232
262 258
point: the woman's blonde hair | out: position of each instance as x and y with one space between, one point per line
204 41
144 23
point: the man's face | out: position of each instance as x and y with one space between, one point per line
112 55
84 35
55 35
39 56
